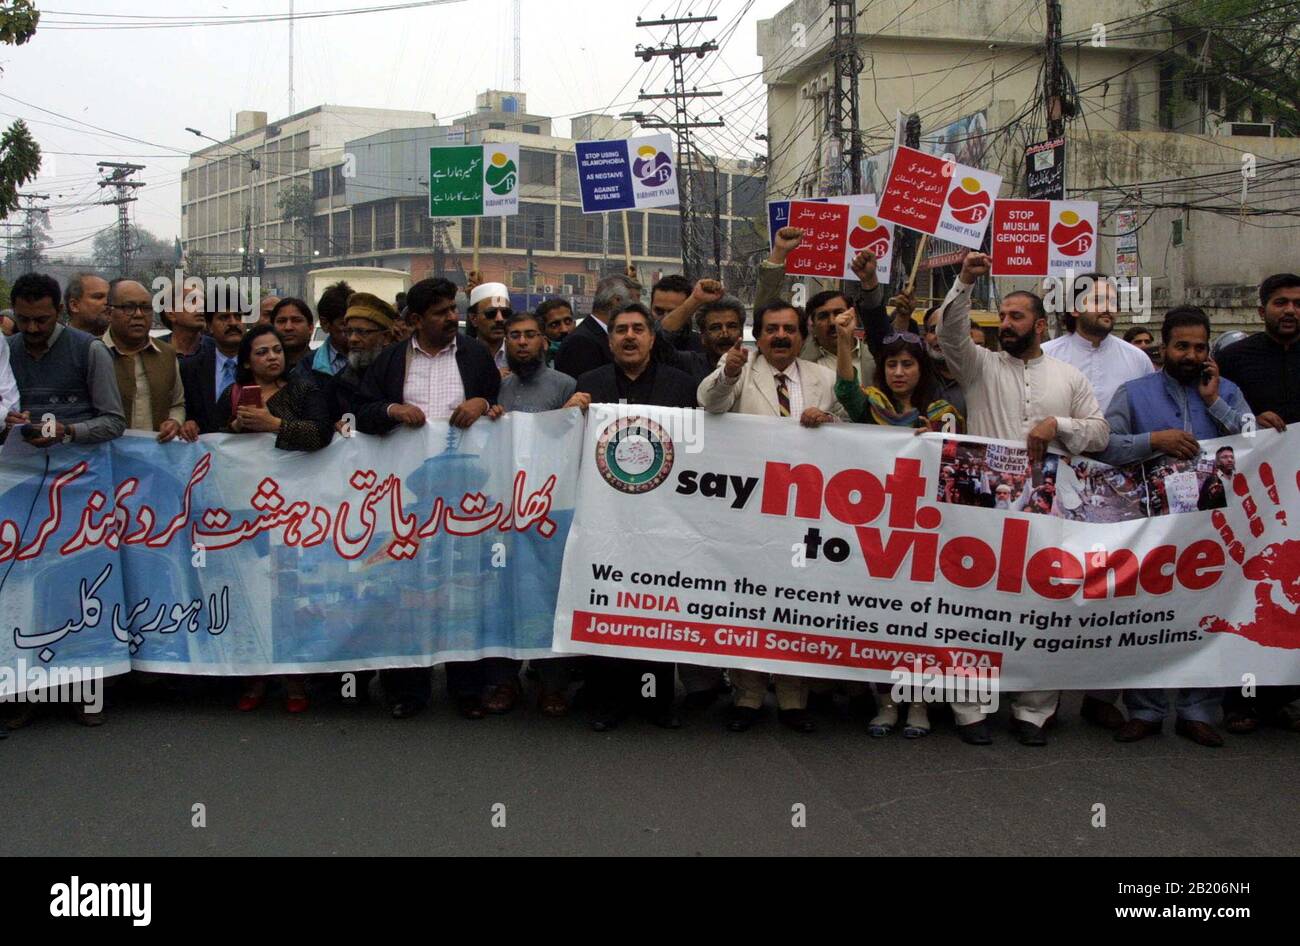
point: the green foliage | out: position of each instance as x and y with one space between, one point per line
296 205
20 155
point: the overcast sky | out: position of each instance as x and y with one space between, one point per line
150 84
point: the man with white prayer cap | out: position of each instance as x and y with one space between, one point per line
489 309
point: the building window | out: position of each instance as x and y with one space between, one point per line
537 167
532 129
497 126
417 229
747 197
336 178
386 225
580 232
361 218
635 223
533 226
341 238
519 279
320 184
569 178
665 235
489 231
576 281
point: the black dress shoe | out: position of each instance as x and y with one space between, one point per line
740 718
1029 734
666 720
607 718
976 734
1136 729
404 709
1203 734
797 719
701 700
1100 713
470 707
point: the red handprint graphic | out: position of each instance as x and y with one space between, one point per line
1275 569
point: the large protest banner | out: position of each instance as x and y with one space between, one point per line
851 550
231 557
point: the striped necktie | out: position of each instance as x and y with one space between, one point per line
783 395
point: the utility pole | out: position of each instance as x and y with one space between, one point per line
118 177
1053 85
29 209
681 125
844 110
905 240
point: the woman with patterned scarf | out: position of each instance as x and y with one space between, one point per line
904 394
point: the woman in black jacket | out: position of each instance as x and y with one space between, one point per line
297 412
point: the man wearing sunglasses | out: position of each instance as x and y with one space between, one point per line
489 310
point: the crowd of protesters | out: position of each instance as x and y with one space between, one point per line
82 366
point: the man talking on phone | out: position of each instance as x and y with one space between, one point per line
1170 413
65 378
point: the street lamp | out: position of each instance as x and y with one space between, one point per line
253 167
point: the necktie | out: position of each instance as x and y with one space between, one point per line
783 395
227 376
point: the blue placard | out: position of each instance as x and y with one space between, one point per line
604 176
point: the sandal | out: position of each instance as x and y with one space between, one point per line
918 722
1240 725
553 705
502 699
883 723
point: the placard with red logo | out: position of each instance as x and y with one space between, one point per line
1044 237
867 231
825 239
944 199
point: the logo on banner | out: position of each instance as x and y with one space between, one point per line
501 174
970 203
634 454
1072 234
871 235
652 167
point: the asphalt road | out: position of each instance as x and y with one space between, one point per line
350 780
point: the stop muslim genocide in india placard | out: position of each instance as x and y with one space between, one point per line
626 174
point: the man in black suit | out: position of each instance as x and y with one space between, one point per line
437 374
211 369
633 377
587 346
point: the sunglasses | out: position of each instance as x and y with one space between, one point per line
904 336
498 313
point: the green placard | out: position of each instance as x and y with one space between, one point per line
456 181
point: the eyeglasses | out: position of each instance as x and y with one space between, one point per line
143 308
498 313
363 332
529 335
902 336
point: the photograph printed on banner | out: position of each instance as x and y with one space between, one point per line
996 476
1089 491
1196 485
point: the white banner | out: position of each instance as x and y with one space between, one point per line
851 550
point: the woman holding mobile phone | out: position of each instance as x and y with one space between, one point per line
263 400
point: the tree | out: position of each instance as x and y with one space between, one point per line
20 155
151 256
1256 47
297 206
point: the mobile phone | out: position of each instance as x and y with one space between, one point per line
30 431
250 396
1206 376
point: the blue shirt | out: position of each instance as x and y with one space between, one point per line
1157 402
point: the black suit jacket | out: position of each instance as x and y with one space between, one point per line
587 348
199 375
670 387
385 380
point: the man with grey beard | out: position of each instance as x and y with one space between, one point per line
370 325
949 389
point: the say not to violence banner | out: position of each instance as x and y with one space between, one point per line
229 556
849 551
